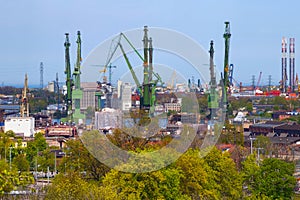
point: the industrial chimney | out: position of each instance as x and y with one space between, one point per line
292 64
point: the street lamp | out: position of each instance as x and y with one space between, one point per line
10 157
251 146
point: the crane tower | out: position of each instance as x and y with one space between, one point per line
24 110
226 36
68 77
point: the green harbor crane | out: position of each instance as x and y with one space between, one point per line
226 83
69 81
147 89
77 72
213 100
226 36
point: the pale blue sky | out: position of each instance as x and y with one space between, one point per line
32 31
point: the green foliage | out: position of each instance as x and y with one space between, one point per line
90 112
227 180
249 106
33 147
263 142
231 135
21 163
79 159
42 98
240 103
196 181
162 184
72 186
275 179
5 142
11 179
214 176
249 172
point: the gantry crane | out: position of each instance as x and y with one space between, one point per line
147 89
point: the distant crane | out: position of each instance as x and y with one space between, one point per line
110 67
24 110
213 101
171 81
258 81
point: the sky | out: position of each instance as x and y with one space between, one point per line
32 31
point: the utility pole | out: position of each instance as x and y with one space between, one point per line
10 158
251 144
253 82
57 91
55 162
270 82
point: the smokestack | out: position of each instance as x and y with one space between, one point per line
283 64
292 64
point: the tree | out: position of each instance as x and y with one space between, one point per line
21 163
90 112
250 170
224 174
263 142
249 107
39 144
275 179
72 186
10 179
162 184
195 180
79 159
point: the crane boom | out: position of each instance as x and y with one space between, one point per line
259 78
136 80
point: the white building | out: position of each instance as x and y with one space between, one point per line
21 126
126 96
108 118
